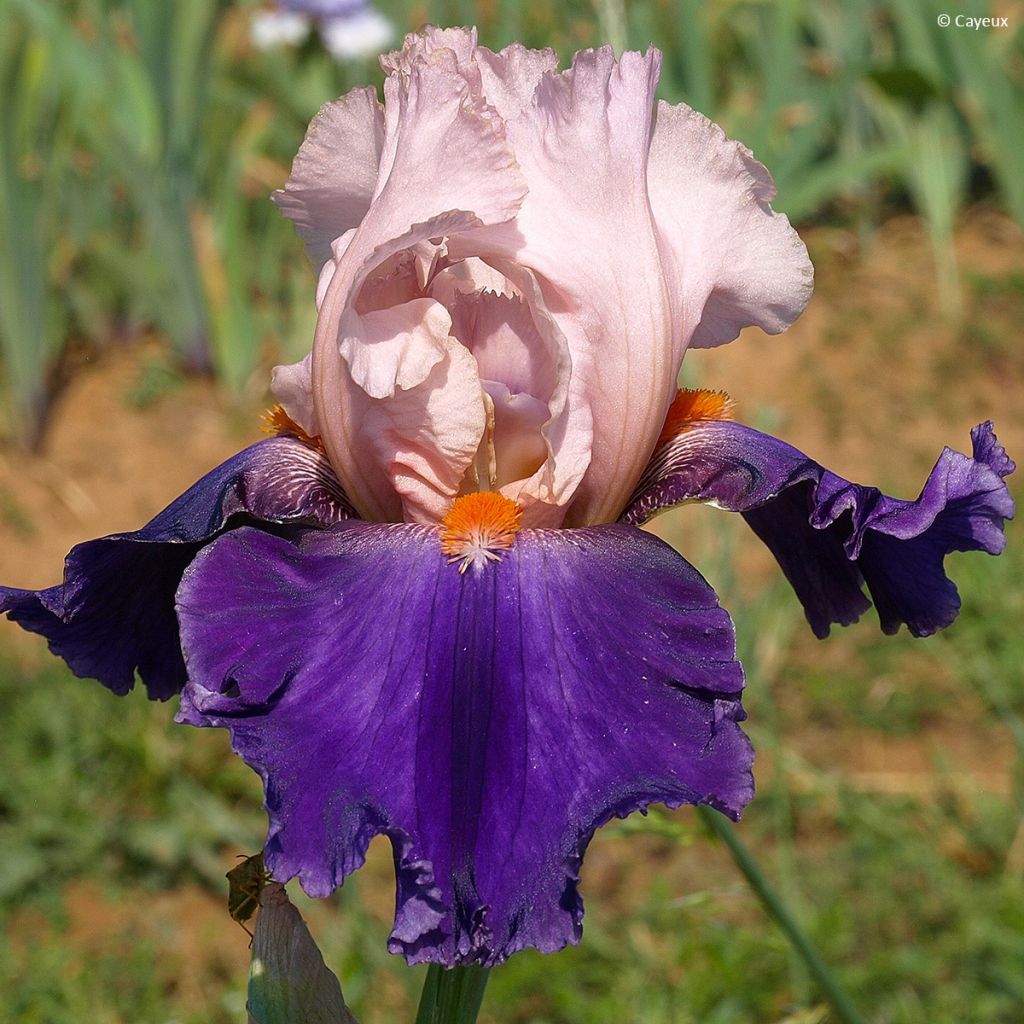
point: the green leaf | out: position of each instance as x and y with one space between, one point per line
906 84
289 983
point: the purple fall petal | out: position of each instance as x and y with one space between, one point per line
114 612
830 535
486 722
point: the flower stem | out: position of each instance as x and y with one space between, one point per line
770 900
452 996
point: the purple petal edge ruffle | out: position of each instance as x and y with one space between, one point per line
487 723
830 535
114 612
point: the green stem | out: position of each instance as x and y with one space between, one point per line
830 989
452 996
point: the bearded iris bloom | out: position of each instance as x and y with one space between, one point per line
424 608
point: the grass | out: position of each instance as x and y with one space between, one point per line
117 825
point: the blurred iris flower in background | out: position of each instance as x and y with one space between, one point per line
349 29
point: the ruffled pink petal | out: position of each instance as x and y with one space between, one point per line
397 347
446 167
445 149
510 78
587 233
335 172
730 260
423 191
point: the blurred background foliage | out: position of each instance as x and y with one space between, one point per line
139 142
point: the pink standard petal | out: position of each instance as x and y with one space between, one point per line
445 150
510 77
423 193
730 260
334 175
588 236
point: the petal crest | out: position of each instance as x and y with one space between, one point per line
587 234
335 172
730 259
431 112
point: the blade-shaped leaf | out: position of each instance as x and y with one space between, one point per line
289 983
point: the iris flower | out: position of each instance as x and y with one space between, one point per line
350 29
424 609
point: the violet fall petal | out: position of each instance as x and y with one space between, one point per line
114 612
830 535
486 722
